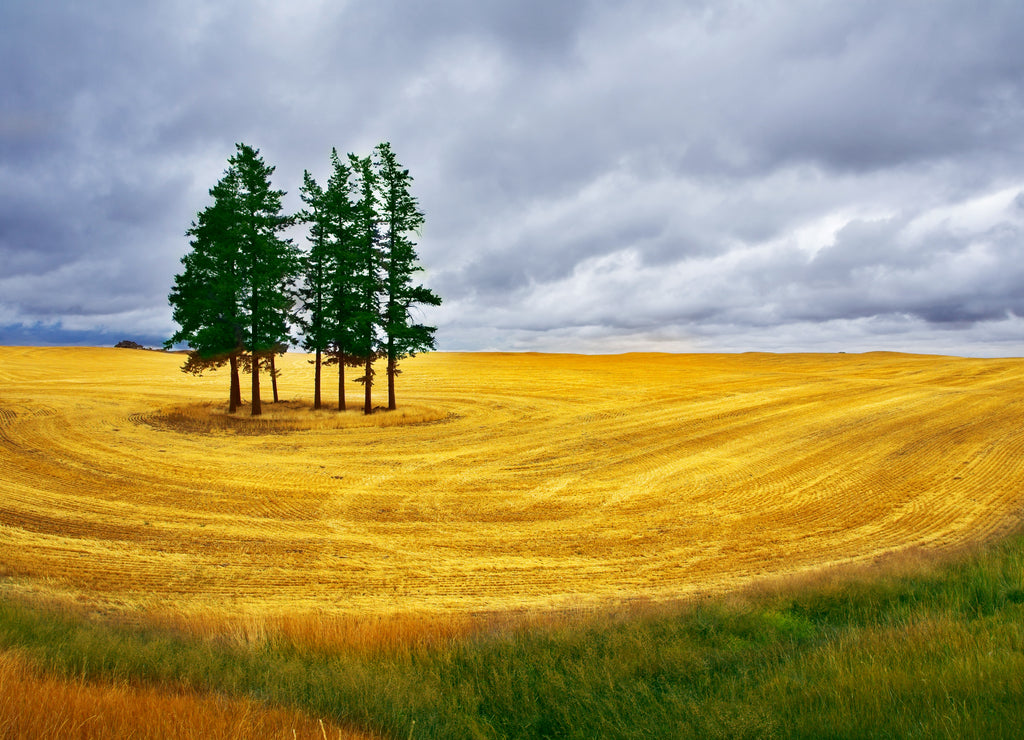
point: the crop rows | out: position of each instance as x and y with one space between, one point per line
515 481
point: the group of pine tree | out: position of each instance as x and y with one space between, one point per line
351 295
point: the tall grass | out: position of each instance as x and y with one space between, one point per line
34 705
925 649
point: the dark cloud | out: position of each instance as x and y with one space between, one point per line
596 175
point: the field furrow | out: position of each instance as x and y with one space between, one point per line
503 481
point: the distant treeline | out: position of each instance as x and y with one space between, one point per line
350 297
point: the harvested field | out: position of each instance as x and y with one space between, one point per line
504 481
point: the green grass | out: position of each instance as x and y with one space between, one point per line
934 651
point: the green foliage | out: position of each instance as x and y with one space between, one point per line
267 263
400 217
344 295
315 318
923 655
235 293
205 296
332 268
365 279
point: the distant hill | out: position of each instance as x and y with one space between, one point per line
128 344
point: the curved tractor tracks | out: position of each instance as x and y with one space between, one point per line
522 481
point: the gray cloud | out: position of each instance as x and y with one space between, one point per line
596 175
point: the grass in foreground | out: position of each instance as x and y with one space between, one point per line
33 705
921 650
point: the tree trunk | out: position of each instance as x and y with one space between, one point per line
316 382
235 395
257 408
392 366
368 385
341 381
273 375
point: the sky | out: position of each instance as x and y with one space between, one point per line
596 176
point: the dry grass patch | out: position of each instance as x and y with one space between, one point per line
288 416
35 705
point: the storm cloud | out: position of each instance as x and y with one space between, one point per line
597 176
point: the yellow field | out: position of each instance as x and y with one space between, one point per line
507 482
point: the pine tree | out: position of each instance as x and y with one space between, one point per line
268 264
204 298
399 217
317 321
233 301
345 297
366 276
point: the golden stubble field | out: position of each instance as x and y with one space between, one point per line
509 482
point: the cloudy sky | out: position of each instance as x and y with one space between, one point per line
596 176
